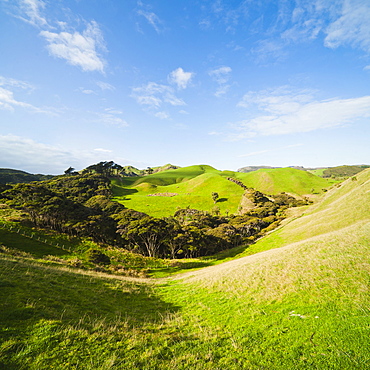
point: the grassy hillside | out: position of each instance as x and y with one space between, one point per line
301 303
289 180
192 187
343 205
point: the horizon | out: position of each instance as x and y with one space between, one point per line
202 164
228 83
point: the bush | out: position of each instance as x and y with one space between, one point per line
97 257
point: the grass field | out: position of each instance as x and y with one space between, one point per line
193 186
299 300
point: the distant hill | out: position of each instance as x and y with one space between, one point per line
133 171
334 172
343 171
9 176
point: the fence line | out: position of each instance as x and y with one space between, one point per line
16 229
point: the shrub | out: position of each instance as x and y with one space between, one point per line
97 257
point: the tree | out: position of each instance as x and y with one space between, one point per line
69 171
147 234
214 197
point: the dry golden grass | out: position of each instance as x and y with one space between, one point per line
331 261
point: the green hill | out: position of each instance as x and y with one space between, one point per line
289 180
9 176
192 187
300 300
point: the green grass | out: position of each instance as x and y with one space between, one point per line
289 180
318 172
300 301
194 185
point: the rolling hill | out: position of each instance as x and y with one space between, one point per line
161 194
298 299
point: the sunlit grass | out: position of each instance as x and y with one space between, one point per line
301 303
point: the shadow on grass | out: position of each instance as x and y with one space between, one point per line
123 192
42 307
31 291
35 247
220 200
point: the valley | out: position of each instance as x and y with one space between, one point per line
296 297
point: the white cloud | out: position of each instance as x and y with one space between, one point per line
221 75
78 49
113 111
152 19
105 85
111 117
352 27
269 49
9 102
87 91
162 115
283 112
180 78
154 95
32 10
5 81
101 150
28 155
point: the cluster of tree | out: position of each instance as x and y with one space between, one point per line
343 171
237 182
80 205
76 205
107 169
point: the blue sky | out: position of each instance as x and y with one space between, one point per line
224 83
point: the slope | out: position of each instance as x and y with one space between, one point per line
192 187
289 180
304 304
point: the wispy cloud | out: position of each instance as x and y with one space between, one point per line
31 11
352 28
102 150
222 76
112 116
151 17
78 49
337 23
154 96
82 49
286 111
162 115
180 78
9 102
105 86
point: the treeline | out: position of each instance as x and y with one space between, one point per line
80 205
